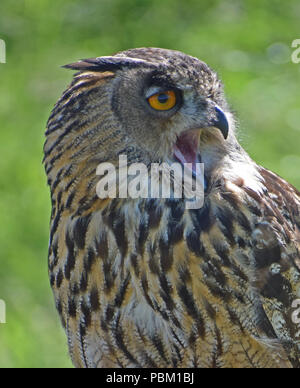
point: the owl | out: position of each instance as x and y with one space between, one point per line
148 282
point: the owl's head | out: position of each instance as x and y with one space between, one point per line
151 104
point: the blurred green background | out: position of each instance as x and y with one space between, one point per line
247 42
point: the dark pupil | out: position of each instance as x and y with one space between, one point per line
163 98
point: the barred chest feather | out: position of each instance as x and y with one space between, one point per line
150 284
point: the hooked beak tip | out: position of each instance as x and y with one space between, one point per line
221 122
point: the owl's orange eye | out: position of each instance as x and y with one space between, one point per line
163 101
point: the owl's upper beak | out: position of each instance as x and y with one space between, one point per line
221 122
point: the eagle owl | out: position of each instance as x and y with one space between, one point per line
147 282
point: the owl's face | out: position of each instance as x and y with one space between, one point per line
164 108
154 104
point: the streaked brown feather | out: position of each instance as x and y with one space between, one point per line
151 284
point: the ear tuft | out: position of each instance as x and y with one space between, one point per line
107 64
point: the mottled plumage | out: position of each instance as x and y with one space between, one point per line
146 282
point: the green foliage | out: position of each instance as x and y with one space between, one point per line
247 42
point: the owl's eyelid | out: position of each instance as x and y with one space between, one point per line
155 90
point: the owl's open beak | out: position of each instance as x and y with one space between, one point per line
186 149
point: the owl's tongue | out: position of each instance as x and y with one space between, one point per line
186 148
